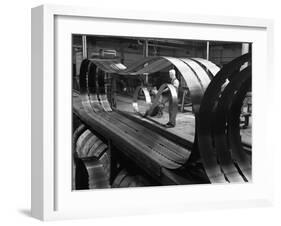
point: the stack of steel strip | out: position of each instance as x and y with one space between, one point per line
75 137
101 92
91 87
226 160
91 160
125 179
218 124
133 134
194 75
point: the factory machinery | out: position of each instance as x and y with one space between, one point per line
112 148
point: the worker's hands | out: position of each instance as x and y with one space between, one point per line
154 91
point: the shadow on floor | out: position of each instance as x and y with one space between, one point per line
25 212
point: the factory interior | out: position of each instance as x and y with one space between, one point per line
158 112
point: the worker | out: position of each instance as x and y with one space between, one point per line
143 78
166 96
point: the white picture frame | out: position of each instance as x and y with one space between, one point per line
52 197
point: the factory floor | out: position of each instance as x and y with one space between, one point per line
185 121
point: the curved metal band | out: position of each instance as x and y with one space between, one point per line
199 71
81 129
91 79
104 102
167 160
205 122
194 85
101 91
137 68
93 147
84 143
173 101
139 64
194 75
146 97
98 149
85 99
239 155
214 69
91 100
107 65
197 80
154 66
220 128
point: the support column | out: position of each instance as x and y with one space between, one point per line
84 46
145 54
244 50
113 92
145 48
207 50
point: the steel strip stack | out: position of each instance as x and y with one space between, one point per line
122 127
194 76
218 124
217 98
91 160
101 92
81 129
241 158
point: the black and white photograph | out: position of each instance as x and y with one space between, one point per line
150 111
139 113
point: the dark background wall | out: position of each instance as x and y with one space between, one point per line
130 50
